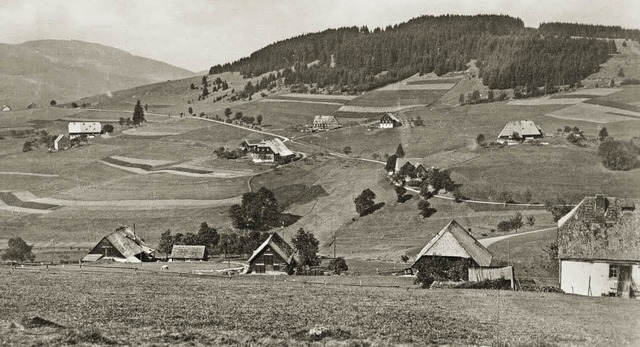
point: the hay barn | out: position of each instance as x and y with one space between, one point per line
454 243
273 256
599 248
77 129
121 246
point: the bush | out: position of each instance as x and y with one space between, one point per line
338 265
431 269
107 128
619 155
27 146
18 250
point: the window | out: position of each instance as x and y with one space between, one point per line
613 271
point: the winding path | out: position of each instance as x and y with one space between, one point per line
491 240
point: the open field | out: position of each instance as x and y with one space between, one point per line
595 113
627 58
388 98
353 315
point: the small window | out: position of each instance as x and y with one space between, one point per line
613 271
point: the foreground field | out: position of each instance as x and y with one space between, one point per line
164 309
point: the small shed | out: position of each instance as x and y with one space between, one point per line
389 120
598 248
525 129
325 123
188 253
273 256
5 108
121 246
455 243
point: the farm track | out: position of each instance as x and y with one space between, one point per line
491 240
27 174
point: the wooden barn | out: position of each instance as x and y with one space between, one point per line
273 256
122 246
61 142
188 253
325 123
271 151
389 120
525 129
455 244
599 248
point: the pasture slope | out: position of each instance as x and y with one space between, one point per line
53 307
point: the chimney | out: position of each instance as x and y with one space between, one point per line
600 206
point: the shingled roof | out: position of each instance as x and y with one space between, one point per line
188 252
522 127
278 245
130 246
454 241
600 228
277 147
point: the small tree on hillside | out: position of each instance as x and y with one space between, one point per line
480 139
205 91
122 122
400 191
227 112
259 119
400 151
18 251
516 221
391 163
603 134
365 201
425 209
461 99
307 246
531 220
338 265
53 103
138 114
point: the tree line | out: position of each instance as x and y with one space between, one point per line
590 30
508 54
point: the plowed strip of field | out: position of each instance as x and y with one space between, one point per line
27 174
376 109
546 100
149 162
594 113
302 101
419 86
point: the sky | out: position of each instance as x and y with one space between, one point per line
196 34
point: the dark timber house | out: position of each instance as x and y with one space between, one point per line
122 246
599 248
188 253
454 243
273 256
389 120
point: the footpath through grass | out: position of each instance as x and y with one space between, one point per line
164 309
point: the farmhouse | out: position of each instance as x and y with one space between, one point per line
249 145
599 248
273 256
77 129
122 246
455 245
188 253
420 170
389 120
325 123
5 108
525 129
271 151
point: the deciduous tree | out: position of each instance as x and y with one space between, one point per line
18 251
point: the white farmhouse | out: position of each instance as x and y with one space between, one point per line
599 248
389 120
77 129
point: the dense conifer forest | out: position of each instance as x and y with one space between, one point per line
359 59
588 30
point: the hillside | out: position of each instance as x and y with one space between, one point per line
62 70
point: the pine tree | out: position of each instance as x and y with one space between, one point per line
400 151
138 114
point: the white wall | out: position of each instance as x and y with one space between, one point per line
574 277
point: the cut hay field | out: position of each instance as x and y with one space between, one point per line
389 98
596 113
164 309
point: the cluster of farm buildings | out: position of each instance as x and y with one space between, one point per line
598 250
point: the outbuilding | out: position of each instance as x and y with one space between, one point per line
121 246
273 256
5 108
455 245
599 248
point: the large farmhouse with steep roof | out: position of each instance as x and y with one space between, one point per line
325 123
599 248
525 130
273 256
121 246
389 120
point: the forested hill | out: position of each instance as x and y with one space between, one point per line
355 58
588 30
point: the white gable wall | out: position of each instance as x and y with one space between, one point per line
574 277
448 246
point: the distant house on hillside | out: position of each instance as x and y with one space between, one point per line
184 252
250 145
273 256
454 243
525 129
5 108
599 248
389 120
325 123
420 169
61 142
121 246
77 129
270 151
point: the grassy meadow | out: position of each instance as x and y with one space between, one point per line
216 311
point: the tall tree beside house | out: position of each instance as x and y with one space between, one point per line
18 250
258 211
166 242
138 114
208 236
307 246
400 151
259 119
365 201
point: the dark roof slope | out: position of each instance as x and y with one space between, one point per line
278 244
600 228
